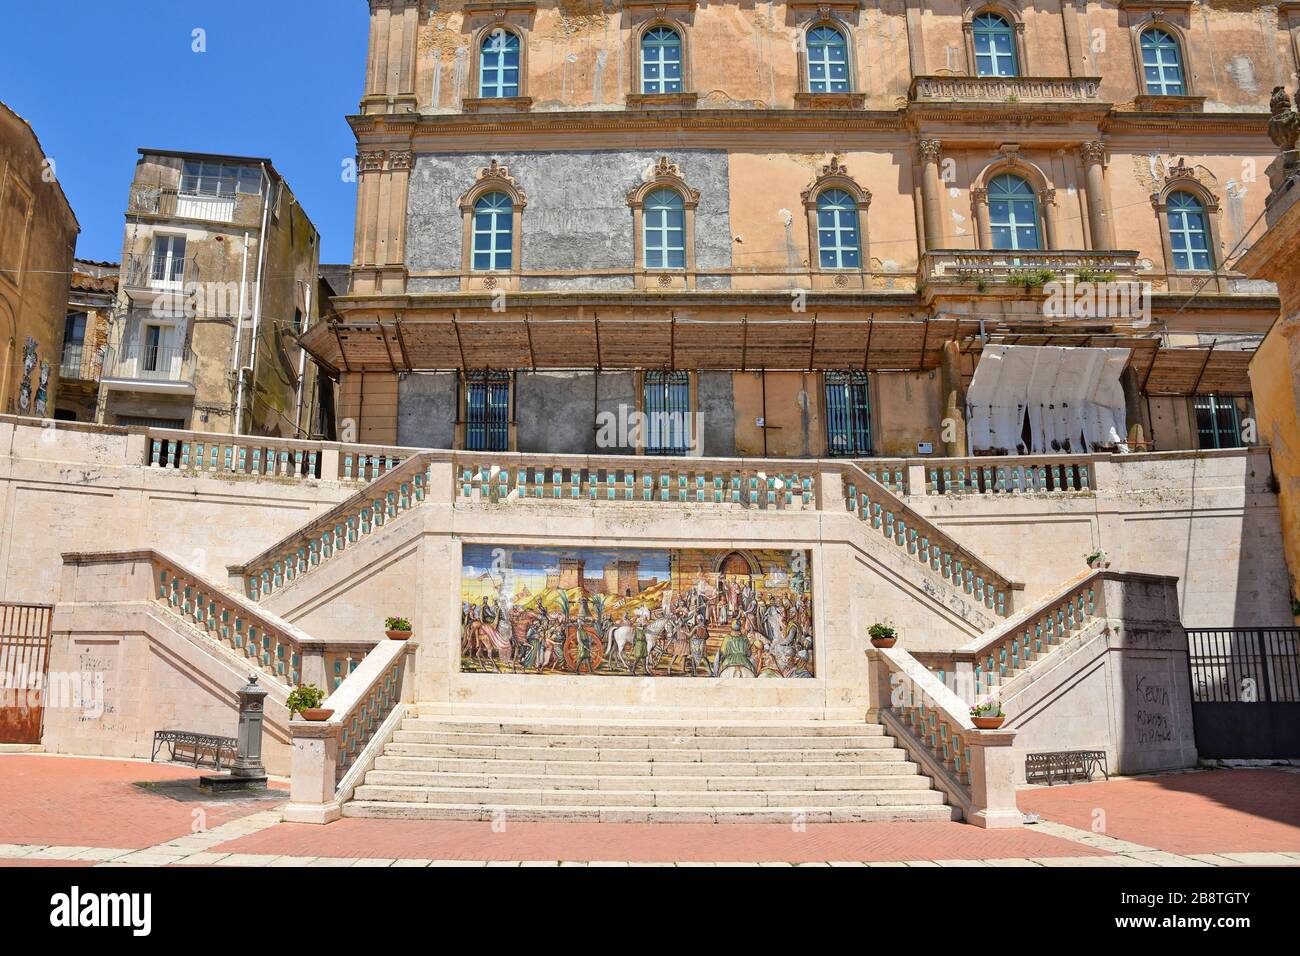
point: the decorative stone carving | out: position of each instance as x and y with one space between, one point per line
929 149
401 160
835 175
495 176
1284 127
665 174
370 161
1093 152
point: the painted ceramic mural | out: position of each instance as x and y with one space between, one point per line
636 612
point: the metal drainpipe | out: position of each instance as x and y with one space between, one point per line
243 303
257 305
302 357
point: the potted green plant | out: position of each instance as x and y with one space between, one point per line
1096 558
987 714
305 701
397 628
882 635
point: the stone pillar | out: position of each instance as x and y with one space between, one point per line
1132 405
879 687
915 38
931 189
954 400
992 780
248 760
979 199
1093 155
1047 200
314 772
312 667
391 57
830 491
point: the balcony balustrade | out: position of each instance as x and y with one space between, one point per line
157 366
1004 89
956 266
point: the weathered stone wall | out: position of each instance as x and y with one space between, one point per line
577 221
426 409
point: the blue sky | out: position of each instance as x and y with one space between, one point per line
98 79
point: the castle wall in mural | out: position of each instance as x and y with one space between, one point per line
636 612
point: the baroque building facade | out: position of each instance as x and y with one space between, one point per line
807 225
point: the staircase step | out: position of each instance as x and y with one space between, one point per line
895 762
636 755
648 742
799 728
793 799
605 814
498 781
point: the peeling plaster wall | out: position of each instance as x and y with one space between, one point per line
426 409
577 219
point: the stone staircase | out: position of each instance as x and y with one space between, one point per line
450 768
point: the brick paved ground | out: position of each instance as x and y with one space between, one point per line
56 810
1204 812
85 802
739 842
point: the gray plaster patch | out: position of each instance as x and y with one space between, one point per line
577 218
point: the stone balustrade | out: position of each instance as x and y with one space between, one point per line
885 512
1004 89
764 485
260 457
974 768
274 646
394 493
981 667
1018 475
331 757
998 265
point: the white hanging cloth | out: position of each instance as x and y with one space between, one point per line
1071 398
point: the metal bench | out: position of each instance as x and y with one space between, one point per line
1067 766
210 745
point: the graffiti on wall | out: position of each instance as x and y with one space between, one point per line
636 612
25 386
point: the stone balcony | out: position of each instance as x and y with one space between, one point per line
962 266
1004 89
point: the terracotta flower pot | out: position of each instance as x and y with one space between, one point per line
884 641
316 713
398 635
987 723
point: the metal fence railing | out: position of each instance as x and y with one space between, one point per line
1245 665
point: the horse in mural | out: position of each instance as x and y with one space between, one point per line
620 637
485 644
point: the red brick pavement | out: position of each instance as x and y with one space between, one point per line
71 801
1210 811
649 843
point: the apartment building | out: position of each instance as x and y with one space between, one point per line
218 279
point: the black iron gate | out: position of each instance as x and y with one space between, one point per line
1246 691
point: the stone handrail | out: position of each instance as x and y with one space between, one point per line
979 668
974 768
277 648
1011 475
330 756
257 456
772 485
889 514
394 493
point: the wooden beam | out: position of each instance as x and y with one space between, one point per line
528 328
744 342
383 335
334 327
455 327
812 346
1204 365
871 328
595 318
925 340
401 343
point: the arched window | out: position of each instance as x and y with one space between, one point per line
498 65
661 61
1013 213
1162 64
995 46
838 245
1188 234
665 230
828 61
493 232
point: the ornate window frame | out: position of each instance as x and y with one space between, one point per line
1043 189
1159 18
834 175
492 178
826 15
464 377
666 175
1008 11
680 25
1183 179
477 103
